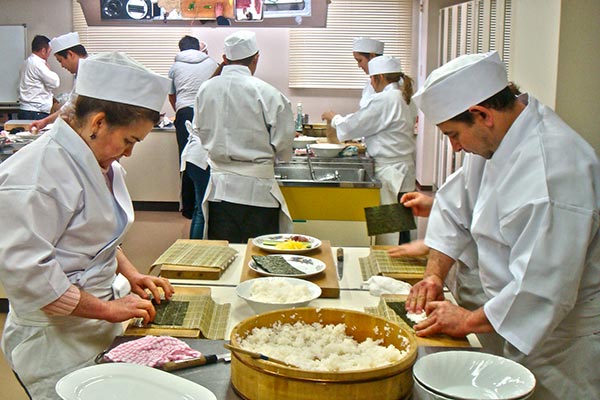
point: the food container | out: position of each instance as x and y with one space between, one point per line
244 291
300 142
259 379
316 130
327 149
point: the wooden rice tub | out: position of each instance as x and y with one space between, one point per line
256 379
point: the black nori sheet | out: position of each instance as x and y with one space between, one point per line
399 308
389 218
170 312
276 265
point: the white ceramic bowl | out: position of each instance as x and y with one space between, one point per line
470 375
244 291
300 142
422 393
327 149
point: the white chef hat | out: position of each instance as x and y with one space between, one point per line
117 77
240 45
459 84
64 42
384 65
367 45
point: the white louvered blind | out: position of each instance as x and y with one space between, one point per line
152 46
322 58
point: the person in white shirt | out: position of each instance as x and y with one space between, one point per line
37 82
387 124
364 49
528 197
65 203
68 50
191 68
246 125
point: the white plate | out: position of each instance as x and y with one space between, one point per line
282 237
308 265
122 381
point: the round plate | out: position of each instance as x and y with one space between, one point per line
308 265
128 382
282 237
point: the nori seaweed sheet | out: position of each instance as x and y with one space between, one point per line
389 218
400 310
170 312
276 265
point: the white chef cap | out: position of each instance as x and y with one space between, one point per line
64 42
240 45
384 65
367 45
459 84
117 77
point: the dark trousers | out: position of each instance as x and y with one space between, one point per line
238 222
200 179
187 186
31 115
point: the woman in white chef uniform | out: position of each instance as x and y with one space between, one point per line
65 209
364 49
387 124
245 124
529 198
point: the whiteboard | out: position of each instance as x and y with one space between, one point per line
13 47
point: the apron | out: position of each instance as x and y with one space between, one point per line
261 171
397 175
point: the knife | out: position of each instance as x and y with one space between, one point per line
340 262
196 362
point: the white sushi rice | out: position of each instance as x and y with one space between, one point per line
320 348
278 291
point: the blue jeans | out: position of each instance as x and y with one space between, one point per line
31 115
200 178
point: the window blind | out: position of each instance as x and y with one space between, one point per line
154 47
322 57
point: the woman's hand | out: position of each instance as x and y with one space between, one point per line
420 203
415 248
140 282
328 116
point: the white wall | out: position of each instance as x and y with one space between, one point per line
42 17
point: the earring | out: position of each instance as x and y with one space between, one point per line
93 136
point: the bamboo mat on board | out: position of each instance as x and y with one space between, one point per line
204 318
378 262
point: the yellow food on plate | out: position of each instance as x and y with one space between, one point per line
292 245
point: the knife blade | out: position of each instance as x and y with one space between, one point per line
340 262
196 362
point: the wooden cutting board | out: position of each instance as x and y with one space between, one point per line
437 340
188 272
327 280
205 9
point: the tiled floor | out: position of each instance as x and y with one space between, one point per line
151 234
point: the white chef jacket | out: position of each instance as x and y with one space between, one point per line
64 226
36 85
533 211
367 92
194 153
245 124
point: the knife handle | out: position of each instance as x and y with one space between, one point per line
340 254
190 362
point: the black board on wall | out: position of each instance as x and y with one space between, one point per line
13 48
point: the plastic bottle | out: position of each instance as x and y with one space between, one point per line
299 117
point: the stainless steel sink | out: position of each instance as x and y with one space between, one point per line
313 171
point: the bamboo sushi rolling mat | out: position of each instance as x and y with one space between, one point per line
378 262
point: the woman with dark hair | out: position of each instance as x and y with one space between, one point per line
365 49
65 209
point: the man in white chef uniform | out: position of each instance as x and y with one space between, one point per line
364 49
528 195
245 124
67 50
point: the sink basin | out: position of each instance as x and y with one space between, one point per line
346 173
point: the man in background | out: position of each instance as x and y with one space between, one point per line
245 124
191 68
37 82
68 50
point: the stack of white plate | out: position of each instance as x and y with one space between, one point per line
469 375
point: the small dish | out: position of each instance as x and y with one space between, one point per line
308 265
244 291
268 243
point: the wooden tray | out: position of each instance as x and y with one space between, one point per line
187 272
327 280
437 340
